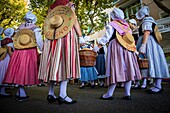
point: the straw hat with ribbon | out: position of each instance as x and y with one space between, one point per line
24 38
59 22
127 40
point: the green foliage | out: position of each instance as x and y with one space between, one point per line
12 12
89 13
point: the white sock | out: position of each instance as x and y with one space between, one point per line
82 84
110 91
137 83
127 88
2 90
157 84
21 91
51 89
144 83
63 91
92 83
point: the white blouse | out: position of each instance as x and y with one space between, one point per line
105 39
39 38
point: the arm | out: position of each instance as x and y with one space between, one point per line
145 37
9 49
39 38
77 28
108 34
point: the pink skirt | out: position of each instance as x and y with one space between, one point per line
121 64
60 59
23 68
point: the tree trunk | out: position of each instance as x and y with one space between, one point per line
162 6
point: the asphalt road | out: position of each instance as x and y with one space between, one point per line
88 101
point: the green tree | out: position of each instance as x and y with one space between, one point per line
12 12
89 12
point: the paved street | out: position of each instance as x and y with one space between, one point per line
88 101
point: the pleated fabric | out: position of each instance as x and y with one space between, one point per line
88 74
60 59
23 67
158 67
3 67
121 64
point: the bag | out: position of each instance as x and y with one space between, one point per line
143 63
157 34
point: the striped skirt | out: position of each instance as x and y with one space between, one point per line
60 59
121 64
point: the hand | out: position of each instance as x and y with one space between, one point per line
142 49
81 40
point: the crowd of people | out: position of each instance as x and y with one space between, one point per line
27 60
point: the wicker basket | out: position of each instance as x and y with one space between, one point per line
87 57
143 63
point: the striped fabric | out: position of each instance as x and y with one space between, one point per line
60 59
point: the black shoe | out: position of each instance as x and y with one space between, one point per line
109 98
51 98
153 92
62 100
127 98
22 98
81 87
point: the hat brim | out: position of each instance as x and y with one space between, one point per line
67 14
3 53
28 32
130 47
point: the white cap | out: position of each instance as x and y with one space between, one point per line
9 32
142 12
30 17
1 30
133 21
117 14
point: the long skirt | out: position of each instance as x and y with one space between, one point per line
88 74
60 59
158 67
3 67
23 68
121 64
101 65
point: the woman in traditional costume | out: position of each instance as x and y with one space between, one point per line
148 44
23 66
60 56
6 50
121 61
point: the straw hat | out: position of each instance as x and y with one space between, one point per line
127 41
24 38
59 22
157 34
3 52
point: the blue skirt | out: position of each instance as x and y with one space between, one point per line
158 67
100 64
88 74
